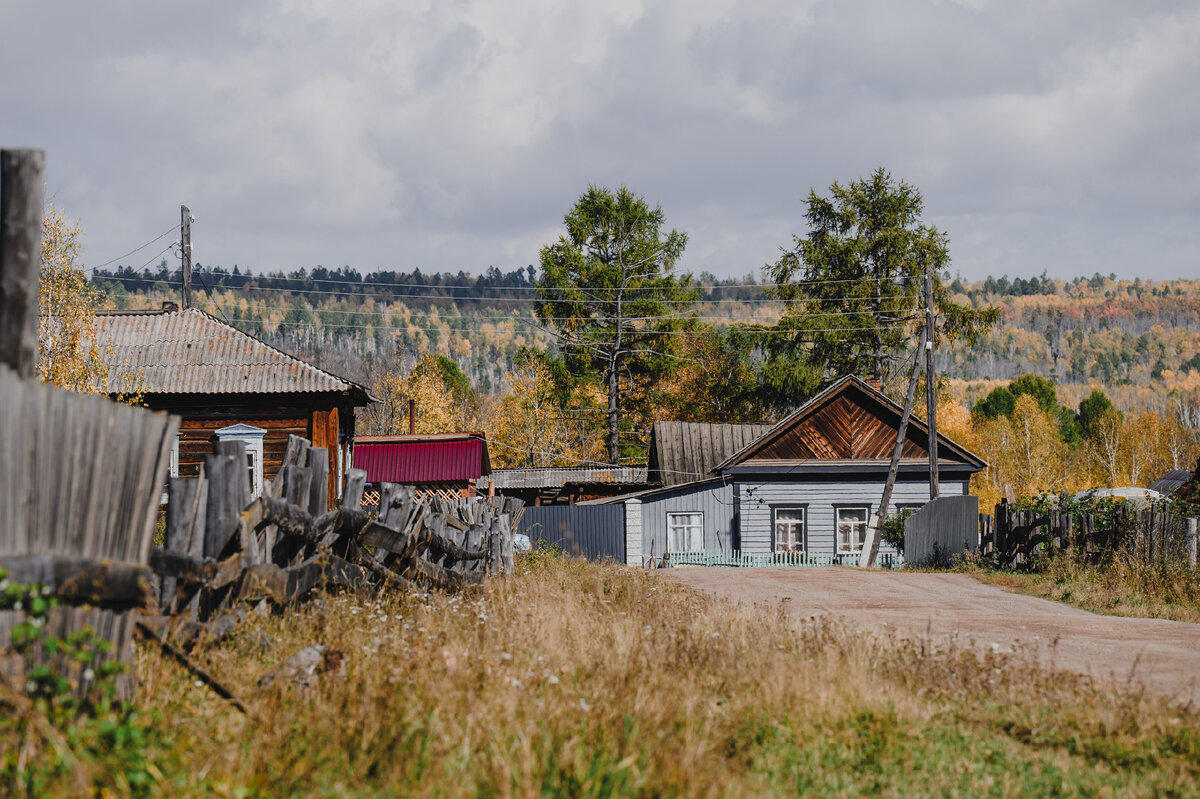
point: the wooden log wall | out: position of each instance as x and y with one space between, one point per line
196 441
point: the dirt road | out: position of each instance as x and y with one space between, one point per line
1164 656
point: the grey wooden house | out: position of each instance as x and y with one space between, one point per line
807 487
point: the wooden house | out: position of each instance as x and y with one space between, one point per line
446 464
227 384
809 484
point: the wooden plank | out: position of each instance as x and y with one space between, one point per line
318 493
356 481
83 580
221 471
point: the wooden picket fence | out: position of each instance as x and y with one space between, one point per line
720 557
1150 535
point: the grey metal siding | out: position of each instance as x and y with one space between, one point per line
715 501
756 499
595 532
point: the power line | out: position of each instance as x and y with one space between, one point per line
713 287
529 323
729 320
478 297
139 249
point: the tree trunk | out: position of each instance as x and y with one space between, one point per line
614 440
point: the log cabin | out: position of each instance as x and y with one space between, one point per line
227 384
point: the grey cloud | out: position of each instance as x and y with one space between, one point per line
1047 135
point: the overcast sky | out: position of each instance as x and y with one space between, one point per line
1058 136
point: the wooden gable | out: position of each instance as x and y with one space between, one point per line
850 420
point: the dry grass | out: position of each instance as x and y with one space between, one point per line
583 680
1124 587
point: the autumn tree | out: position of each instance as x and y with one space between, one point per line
855 282
609 291
445 400
714 381
538 419
68 353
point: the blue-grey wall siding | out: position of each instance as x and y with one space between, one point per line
715 501
595 532
756 498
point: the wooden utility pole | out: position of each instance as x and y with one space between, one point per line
871 546
931 385
20 256
185 246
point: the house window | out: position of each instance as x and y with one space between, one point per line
253 439
685 532
789 529
851 529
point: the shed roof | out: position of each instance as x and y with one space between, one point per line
682 452
556 477
438 458
1171 481
190 352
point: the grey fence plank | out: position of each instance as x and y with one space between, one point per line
943 527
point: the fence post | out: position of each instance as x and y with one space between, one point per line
20 256
633 532
1191 541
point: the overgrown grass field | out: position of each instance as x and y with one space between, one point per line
574 679
1122 587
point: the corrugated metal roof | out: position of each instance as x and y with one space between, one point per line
1170 481
682 452
190 352
556 477
421 459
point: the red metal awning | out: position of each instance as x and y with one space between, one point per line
416 461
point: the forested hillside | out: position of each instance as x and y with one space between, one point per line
1138 339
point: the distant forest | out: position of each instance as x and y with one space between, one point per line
1144 335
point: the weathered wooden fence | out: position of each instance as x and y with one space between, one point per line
1149 535
80 481
223 548
942 529
595 532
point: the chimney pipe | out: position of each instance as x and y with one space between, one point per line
412 417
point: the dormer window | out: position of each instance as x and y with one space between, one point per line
253 438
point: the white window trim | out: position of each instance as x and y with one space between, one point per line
172 468
803 526
253 439
837 523
690 529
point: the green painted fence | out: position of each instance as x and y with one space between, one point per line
717 557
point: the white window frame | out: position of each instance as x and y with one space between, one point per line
803 524
837 524
691 524
172 469
253 438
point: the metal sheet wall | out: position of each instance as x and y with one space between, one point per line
595 532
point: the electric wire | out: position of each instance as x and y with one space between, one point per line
139 249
